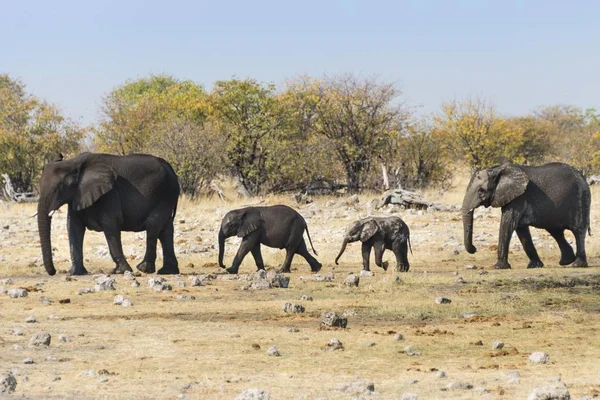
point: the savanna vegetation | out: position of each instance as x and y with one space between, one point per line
272 138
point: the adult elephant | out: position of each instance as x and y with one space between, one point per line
380 233
553 197
277 226
110 194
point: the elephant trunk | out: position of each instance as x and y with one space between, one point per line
44 224
467 217
341 250
221 248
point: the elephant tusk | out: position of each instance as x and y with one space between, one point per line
51 213
33 215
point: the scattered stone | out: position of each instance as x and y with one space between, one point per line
185 297
358 387
482 272
460 279
31 319
398 337
56 379
539 357
40 339
278 280
128 275
329 277
17 332
8 383
477 343
459 386
46 300
408 396
16 293
3 290
135 284
85 291
442 300
555 392
180 284
366 273
497 345
349 313
64 338
440 374
253 394
294 330
470 267
293 308
127 303
513 374
54 316
330 319
64 301
352 280
90 373
118 300
28 361
273 352
306 298
196 280
159 284
6 281
103 283
50 358
370 344
469 315
334 344
411 382
411 351
103 380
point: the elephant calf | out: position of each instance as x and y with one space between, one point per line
382 233
277 226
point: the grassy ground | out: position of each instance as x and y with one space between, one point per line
216 346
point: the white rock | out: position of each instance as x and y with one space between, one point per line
398 337
357 387
15 293
497 345
352 280
129 276
293 308
6 281
440 374
104 282
442 300
31 319
273 351
556 392
253 394
8 383
126 303
411 351
40 339
135 284
28 361
409 396
64 338
539 357
364 273
17 332
459 386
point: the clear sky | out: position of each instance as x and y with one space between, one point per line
518 54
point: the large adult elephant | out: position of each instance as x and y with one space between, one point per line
553 197
277 226
110 194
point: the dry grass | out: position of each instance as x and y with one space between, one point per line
162 346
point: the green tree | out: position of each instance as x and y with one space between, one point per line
32 132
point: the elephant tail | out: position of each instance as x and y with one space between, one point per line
310 241
409 246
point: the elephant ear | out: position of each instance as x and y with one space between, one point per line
96 180
250 222
512 183
369 229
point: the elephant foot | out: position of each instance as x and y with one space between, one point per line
580 263
385 265
232 271
284 271
501 264
120 268
317 267
402 268
535 264
77 271
567 259
169 268
146 267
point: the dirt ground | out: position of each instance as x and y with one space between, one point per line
215 347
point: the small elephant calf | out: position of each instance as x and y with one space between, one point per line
382 233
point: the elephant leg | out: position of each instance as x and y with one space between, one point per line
508 224
379 247
302 250
525 238
76 230
170 264
566 251
581 259
246 246
401 253
366 254
148 264
258 256
113 238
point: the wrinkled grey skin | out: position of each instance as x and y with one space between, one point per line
110 194
277 226
381 233
553 197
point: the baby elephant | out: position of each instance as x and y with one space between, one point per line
382 233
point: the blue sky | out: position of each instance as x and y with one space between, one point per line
518 54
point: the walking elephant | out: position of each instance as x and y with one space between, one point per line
110 194
553 197
381 233
277 226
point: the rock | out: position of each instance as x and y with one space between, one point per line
16 293
356 388
330 319
103 283
40 339
89 372
253 394
28 361
273 352
17 332
469 315
294 330
555 392
497 345
185 297
349 313
470 267
482 272
440 374
181 284
64 338
118 300
31 319
513 374
366 273
329 277
408 396
3 290
410 351
459 386
293 308
64 301
127 303
128 275
278 280
539 357
196 281
159 284
54 316
8 383
398 337
442 300
460 279
135 284
85 291
6 281
306 298
334 344
514 381
370 344
46 300
352 280
50 358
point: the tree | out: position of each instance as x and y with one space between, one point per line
358 116
252 120
32 132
